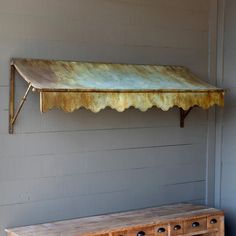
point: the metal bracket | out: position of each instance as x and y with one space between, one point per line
12 114
183 115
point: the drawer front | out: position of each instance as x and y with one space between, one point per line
213 222
101 235
161 230
120 233
144 231
195 225
176 228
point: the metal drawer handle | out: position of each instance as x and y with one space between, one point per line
161 230
195 224
213 221
141 233
177 227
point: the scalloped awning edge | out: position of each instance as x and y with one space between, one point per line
70 101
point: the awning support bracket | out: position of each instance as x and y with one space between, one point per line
183 115
12 114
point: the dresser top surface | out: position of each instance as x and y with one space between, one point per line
107 223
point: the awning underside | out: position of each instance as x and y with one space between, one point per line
71 85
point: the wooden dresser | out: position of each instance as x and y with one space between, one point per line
180 219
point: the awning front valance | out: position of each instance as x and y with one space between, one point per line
70 85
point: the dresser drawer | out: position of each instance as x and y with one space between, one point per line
161 230
101 234
195 225
144 231
213 222
120 233
176 228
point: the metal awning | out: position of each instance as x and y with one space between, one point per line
70 85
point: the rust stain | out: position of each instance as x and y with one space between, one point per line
69 85
121 101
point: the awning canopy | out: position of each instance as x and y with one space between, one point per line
70 85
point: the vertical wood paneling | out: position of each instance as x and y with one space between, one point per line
226 161
219 112
211 132
59 166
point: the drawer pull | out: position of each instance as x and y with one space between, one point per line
161 230
177 227
213 221
195 224
141 233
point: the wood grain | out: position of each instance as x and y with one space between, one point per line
150 221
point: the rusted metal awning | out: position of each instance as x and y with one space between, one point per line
70 85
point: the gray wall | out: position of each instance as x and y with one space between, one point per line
228 162
57 165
